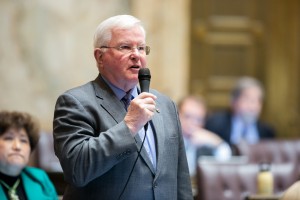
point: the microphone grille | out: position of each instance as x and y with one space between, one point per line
144 73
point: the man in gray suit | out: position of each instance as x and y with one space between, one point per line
97 137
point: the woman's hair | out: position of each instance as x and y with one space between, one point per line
103 32
19 120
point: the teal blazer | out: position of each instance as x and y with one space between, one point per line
37 185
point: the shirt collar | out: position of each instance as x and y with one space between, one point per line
119 92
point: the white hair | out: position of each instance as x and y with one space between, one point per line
103 32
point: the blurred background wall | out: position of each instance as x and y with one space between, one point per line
197 46
258 38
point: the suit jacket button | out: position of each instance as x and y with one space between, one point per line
128 152
155 185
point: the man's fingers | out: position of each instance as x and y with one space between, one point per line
150 107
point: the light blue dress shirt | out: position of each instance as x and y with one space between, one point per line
191 156
242 132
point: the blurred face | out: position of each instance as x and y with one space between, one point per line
191 116
248 105
121 69
14 151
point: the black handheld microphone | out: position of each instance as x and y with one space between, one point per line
144 79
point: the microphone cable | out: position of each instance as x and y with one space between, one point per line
139 153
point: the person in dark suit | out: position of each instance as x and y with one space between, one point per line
241 123
19 134
98 134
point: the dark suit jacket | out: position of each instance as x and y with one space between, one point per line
97 151
221 122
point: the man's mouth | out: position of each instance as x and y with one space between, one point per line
135 67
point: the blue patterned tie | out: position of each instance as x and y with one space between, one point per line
126 100
244 132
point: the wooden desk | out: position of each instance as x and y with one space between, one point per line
263 197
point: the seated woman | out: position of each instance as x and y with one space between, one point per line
18 136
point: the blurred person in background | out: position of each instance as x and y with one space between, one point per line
241 123
199 141
19 134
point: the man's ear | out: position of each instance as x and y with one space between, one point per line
98 55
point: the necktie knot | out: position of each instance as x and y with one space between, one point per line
126 100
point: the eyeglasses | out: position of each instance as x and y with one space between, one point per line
128 49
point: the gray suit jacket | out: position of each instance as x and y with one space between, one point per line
97 151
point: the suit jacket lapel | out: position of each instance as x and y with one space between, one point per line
30 184
108 100
158 125
144 154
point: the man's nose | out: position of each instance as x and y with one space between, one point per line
135 54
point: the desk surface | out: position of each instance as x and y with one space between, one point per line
263 197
